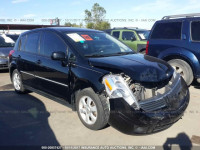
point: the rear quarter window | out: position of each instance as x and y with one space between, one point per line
195 30
170 30
22 43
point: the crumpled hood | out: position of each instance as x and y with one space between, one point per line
139 67
4 51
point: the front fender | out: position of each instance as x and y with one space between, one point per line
83 77
182 53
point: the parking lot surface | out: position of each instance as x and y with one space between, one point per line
32 119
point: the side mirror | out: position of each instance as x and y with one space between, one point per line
58 56
133 39
72 57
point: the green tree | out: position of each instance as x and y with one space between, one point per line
103 25
90 25
69 24
95 18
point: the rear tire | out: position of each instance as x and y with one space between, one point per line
93 109
17 82
183 68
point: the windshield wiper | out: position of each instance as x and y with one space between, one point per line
95 55
125 53
107 55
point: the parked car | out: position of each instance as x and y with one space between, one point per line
135 38
14 37
176 39
6 44
103 79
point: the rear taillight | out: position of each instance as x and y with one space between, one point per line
147 47
11 52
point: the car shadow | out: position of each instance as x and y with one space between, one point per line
196 84
181 140
24 121
4 71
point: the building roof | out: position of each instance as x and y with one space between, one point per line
23 26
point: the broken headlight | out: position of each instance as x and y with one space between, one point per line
116 87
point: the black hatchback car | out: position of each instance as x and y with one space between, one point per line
104 80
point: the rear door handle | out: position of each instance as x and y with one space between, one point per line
38 62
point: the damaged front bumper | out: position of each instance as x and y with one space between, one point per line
155 114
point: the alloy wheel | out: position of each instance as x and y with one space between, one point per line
88 110
16 81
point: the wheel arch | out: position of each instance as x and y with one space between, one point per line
141 50
168 58
80 85
182 54
11 69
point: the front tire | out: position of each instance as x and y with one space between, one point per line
17 82
93 109
183 68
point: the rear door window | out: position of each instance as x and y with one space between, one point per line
195 30
52 43
170 30
32 42
116 34
128 35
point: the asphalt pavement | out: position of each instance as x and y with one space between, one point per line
31 119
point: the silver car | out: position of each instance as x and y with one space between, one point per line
6 45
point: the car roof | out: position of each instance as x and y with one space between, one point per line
179 19
134 29
63 29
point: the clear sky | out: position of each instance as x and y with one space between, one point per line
127 13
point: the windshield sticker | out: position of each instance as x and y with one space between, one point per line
142 36
87 37
75 37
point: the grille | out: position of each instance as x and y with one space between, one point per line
2 66
162 100
154 105
3 57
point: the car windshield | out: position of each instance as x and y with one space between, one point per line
13 37
97 44
6 41
143 34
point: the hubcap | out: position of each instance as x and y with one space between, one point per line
88 110
16 81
